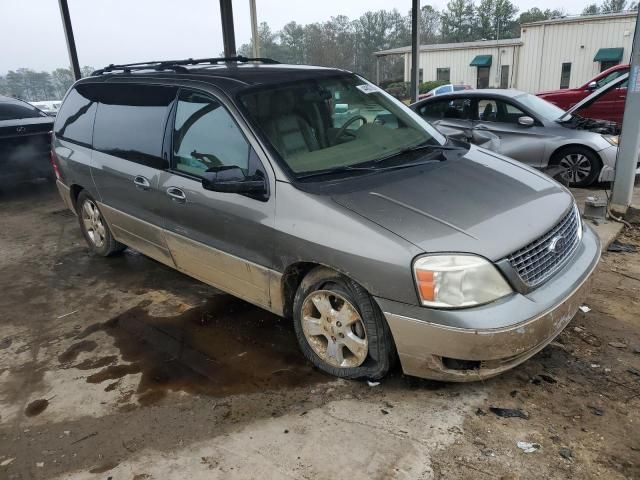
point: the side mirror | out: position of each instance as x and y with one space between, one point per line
592 86
231 179
526 121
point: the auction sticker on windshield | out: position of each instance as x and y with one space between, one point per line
366 88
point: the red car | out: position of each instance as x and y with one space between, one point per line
609 107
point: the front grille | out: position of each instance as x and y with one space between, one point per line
536 262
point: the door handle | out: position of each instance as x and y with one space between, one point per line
176 194
141 182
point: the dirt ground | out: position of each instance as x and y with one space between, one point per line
122 368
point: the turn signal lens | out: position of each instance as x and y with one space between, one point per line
458 281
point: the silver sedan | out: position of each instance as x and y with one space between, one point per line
530 130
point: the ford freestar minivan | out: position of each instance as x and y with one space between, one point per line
312 193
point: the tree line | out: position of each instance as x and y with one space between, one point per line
344 43
33 86
350 44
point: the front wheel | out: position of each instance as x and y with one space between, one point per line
340 328
95 229
580 166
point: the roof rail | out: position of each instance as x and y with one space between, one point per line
179 65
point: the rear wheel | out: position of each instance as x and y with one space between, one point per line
340 328
581 166
95 229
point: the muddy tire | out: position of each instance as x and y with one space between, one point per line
581 166
340 328
94 227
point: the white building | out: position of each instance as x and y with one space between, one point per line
551 54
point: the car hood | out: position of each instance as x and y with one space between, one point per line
585 102
480 203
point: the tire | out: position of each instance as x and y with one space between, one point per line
353 318
94 227
576 160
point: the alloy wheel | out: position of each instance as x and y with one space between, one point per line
577 167
334 329
93 223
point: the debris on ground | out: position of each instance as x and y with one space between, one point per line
509 412
528 447
618 246
596 410
548 378
372 384
584 309
67 314
566 453
617 345
6 462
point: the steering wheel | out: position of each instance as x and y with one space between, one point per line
349 122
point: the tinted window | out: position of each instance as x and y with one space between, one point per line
74 121
205 135
14 109
131 120
459 108
610 78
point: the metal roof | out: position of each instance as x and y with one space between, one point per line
452 46
583 18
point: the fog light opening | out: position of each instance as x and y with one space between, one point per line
457 364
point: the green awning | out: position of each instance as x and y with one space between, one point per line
481 61
609 55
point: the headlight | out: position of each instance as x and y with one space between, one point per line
455 281
612 139
579 217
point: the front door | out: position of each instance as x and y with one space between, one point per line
520 142
223 239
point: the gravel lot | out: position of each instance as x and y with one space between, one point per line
122 368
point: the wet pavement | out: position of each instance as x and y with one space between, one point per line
123 368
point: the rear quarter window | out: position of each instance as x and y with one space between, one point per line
130 121
74 121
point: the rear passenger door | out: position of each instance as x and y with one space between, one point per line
127 161
223 239
500 117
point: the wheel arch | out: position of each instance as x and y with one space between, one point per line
554 158
74 193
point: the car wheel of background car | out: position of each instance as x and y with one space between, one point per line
340 328
94 228
581 165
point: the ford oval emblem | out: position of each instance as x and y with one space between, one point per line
557 244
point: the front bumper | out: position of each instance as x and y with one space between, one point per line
472 344
608 156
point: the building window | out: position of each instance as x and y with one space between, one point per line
483 77
605 65
504 76
443 75
565 76
420 76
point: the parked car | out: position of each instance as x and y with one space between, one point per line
532 130
609 107
442 89
50 107
374 237
25 142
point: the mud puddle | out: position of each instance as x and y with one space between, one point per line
223 347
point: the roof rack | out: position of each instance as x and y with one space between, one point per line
179 65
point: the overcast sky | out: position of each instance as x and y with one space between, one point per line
122 31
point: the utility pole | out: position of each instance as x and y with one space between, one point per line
255 38
228 34
415 47
71 43
629 141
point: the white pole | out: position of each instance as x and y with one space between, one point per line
255 40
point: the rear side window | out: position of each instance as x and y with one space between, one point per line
15 109
130 122
74 121
459 108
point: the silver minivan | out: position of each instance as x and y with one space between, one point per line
379 237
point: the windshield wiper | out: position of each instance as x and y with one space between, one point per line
331 171
415 148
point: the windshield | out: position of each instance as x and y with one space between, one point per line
540 107
324 124
15 109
